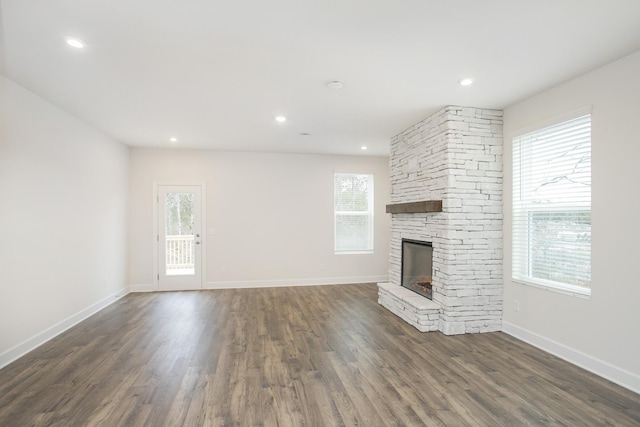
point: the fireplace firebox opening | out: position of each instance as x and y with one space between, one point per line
417 267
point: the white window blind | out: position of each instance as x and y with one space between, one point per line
552 206
353 212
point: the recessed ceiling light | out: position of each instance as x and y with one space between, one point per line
466 81
281 119
73 42
364 147
173 139
335 85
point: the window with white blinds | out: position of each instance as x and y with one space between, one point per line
353 212
552 206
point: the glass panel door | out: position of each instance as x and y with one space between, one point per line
179 237
179 233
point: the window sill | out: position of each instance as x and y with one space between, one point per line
573 291
352 252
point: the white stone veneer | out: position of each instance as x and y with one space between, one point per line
455 155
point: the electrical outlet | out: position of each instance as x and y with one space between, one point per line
516 305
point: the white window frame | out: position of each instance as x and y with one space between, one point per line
521 266
368 213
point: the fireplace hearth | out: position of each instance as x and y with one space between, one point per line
417 267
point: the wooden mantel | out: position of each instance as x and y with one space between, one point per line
424 206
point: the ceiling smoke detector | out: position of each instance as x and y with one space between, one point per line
335 85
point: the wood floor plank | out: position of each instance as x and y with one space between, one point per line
300 356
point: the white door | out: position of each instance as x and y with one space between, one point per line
179 237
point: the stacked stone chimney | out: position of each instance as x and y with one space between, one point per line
455 156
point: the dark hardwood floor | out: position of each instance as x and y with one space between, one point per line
306 356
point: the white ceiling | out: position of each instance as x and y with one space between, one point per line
215 74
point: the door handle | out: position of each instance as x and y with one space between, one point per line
197 242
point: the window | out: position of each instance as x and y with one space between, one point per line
353 212
552 206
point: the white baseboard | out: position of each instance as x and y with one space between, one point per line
240 284
295 282
37 340
620 376
141 288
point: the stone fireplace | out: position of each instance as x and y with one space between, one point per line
446 189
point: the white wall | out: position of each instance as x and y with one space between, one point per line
272 215
63 195
600 333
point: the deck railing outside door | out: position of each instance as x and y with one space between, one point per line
180 254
